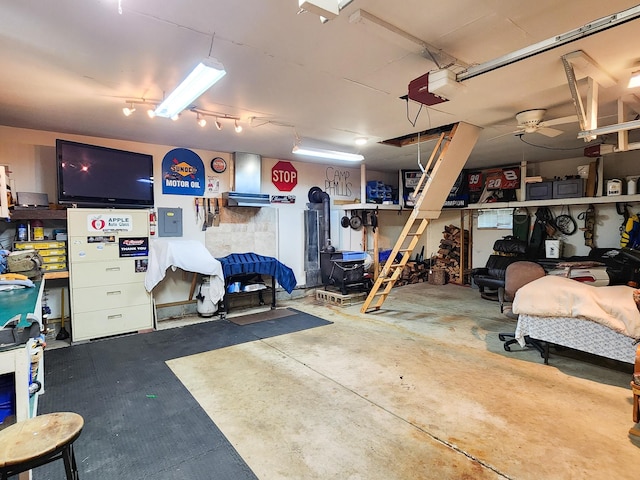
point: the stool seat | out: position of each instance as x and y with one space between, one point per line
39 440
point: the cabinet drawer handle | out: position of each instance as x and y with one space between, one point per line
113 269
115 292
111 317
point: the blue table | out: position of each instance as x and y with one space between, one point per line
243 265
20 302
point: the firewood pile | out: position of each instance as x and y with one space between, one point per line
448 256
413 272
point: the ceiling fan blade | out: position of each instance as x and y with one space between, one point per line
559 121
549 132
515 132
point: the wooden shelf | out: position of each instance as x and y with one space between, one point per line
557 201
38 214
370 206
56 274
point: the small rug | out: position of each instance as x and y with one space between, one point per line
262 316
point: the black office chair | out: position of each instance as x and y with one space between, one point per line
490 278
517 275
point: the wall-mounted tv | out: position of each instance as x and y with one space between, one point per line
93 176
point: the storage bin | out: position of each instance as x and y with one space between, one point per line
553 248
540 191
571 188
7 396
349 256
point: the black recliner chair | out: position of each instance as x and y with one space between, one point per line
490 278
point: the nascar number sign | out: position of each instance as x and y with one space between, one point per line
284 176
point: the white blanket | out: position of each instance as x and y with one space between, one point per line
190 256
553 296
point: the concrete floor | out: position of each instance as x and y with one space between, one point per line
420 390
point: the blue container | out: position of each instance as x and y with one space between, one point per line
354 256
7 396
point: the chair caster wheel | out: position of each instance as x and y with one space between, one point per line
507 347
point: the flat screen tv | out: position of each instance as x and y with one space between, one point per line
93 176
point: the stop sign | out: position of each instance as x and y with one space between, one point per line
284 176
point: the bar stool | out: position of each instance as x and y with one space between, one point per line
40 440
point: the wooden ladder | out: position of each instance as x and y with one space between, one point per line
429 196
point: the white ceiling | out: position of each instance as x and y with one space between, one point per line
69 66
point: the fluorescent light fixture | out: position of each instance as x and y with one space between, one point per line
618 127
328 154
634 81
208 72
325 8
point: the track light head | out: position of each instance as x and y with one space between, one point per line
152 113
238 127
128 110
218 124
201 120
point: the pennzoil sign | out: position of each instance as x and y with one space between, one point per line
183 173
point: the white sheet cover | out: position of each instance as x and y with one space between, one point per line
553 296
190 256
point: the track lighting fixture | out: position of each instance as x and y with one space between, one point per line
128 110
201 115
131 107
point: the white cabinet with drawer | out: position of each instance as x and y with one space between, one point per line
108 254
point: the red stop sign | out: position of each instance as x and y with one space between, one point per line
284 176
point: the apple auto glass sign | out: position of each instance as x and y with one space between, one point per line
182 173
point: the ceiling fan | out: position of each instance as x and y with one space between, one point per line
531 121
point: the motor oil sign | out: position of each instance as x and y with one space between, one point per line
109 222
183 173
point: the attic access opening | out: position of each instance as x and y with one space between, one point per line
414 138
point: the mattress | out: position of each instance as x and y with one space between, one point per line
579 334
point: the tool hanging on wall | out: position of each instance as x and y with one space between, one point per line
210 213
565 222
205 214
589 217
216 213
